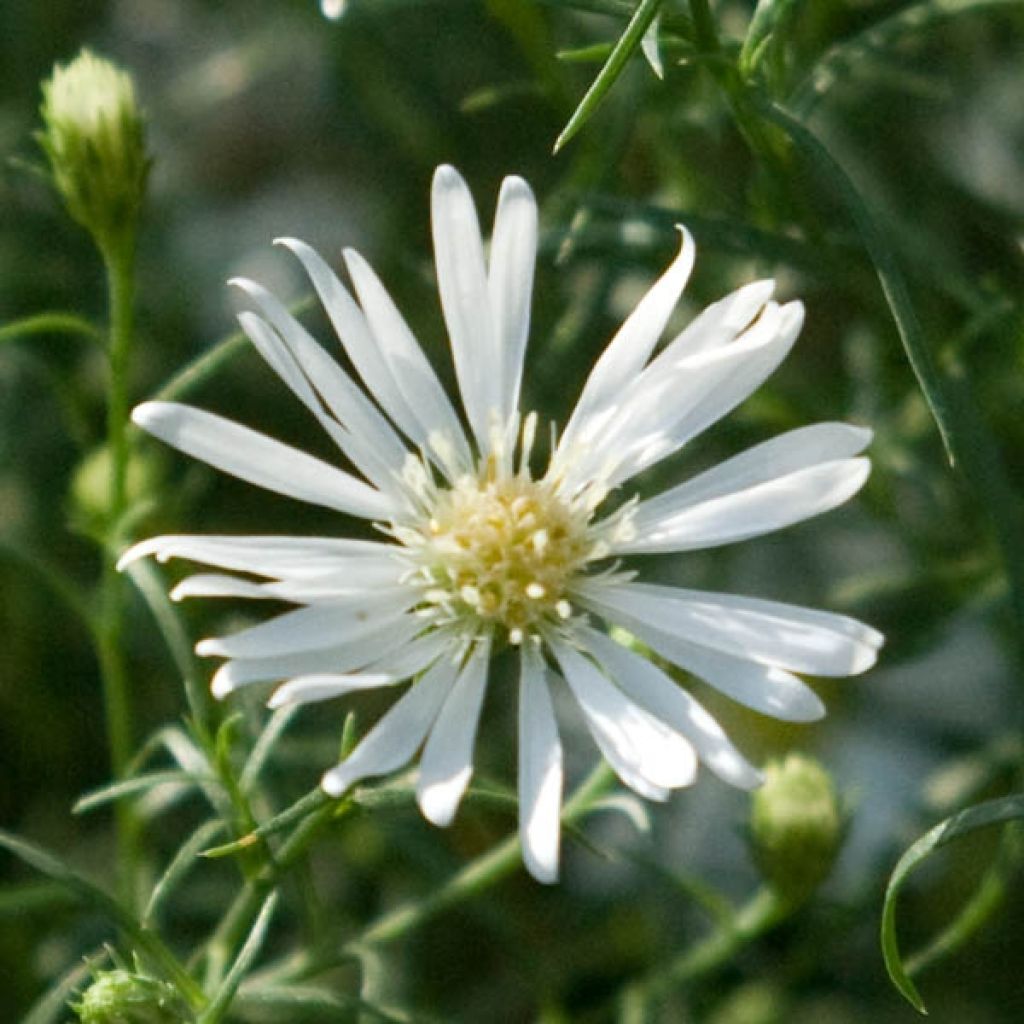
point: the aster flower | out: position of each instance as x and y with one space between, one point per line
482 552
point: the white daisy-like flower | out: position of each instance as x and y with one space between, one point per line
483 552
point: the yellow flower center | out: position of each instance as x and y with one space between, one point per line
502 551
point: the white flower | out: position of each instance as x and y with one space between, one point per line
483 553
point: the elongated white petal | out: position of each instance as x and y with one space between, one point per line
357 339
219 585
349 656
654 691
314 688
510 283
415 379
627 352
308 629
447 762
395 738
654 750
766 688
258 459
768 632
700 392
757 510
715 326
465 300
788 453
366 436
263 556
540 771
404 660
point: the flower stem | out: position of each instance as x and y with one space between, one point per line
50 323
119 263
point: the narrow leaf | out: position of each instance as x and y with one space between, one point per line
628 42
140 784
991 812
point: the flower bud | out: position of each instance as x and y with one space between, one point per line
796 826
94 136
91 485
121 997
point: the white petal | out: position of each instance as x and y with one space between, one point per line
795 450
447 762
416 381
358 428
652 749
314 688
395 738
357 339
649 45
653 690
253 457
768 632
309 629
465 300
510 282
357 653
752 512
717 325
540 771
405 660
218 585
263 556
627 352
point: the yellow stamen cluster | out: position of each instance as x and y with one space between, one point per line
502 550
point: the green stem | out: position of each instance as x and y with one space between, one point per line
760 914
481 874
50 323
119 262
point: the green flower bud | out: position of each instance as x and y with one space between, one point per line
121 997
94 136
90 484
796 826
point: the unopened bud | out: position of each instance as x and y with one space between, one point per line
796 826
91 483
94 136
121 997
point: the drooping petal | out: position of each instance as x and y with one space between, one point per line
510 283
652 749
644 683
752 512
259 460
540 771
447 762
395 738
440 427
767 632
465 299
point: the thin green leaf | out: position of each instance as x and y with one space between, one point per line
222 999
309 1000
992 812
888 271
768 16
847 56
264 745
302 808
16 900
181 863
52 1006
145 941
140 784
627 45
51 323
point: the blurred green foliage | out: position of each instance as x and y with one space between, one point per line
266 119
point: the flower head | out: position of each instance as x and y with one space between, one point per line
95 139
491 546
